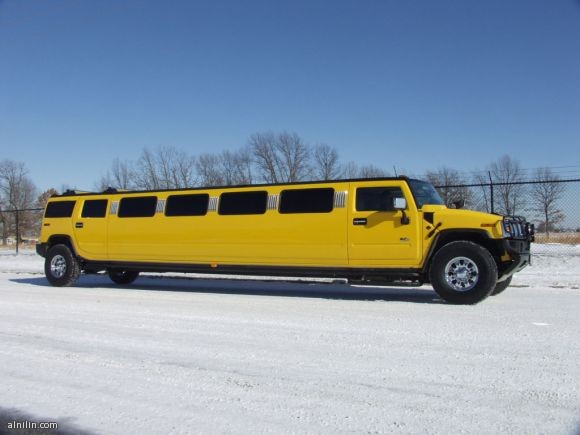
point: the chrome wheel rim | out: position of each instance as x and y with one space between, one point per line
58 266
461 274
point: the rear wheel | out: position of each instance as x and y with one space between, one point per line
61 266
463 272
501 286
123 277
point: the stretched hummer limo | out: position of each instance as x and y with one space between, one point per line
383 231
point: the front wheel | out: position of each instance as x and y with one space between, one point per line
123 277
61 266
463 272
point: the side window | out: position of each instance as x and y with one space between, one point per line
232 203
59 209
187 205
377 198
94 208
143 206
319 200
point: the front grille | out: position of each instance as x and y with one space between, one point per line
518 228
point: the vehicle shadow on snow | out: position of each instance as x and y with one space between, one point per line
298 289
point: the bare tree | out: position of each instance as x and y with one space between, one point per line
546 193
263 146
208 170
294 157
450 185
121 175
182 171
147 173
372 171
164 168
40 205
245 172
44 197
17 192
282 158
326 165
350 170
507 173
236 167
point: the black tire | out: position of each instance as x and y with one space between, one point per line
463 272
123 277
501 286
61 266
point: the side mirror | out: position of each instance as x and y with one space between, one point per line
460 203
401 204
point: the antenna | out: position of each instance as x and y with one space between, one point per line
395 169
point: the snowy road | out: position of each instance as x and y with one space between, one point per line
210 356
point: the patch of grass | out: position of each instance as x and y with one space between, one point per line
565 238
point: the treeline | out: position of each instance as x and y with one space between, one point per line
286 157
18 192
267 158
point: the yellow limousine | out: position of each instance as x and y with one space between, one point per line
382 231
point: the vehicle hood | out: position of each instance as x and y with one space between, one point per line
451 218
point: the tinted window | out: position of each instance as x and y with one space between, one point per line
137 207
59 209
187 205
243 203
307 200
95 208
377 198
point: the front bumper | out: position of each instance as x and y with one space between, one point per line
41 249
521 257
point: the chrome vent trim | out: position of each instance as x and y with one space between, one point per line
273 202
213 203
340 199
114 207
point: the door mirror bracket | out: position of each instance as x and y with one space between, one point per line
401 204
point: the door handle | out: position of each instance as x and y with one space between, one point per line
359 221
79 225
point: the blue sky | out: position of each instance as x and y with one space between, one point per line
417 84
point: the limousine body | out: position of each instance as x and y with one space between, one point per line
380 231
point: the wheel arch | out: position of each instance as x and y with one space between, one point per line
479 237
62 239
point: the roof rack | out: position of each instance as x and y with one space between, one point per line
72 192
114 190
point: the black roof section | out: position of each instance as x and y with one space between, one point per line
112 190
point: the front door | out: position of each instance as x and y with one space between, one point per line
378 234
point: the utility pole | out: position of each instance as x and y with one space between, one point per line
491 190
17 230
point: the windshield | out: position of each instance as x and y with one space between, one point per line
424 193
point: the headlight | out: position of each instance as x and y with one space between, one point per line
508 229
530 229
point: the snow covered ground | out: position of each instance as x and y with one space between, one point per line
226 356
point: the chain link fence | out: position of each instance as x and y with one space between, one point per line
552 206
20 227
